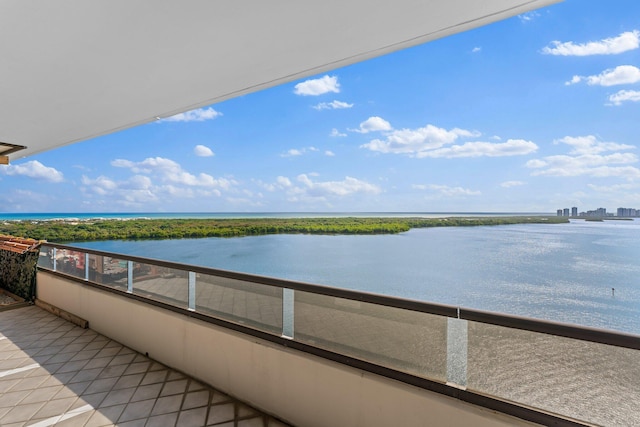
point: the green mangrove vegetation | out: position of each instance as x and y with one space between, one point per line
61 231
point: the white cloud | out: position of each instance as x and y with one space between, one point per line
412 141
314 87
447 191
198 115
528 16
284 181
590 145
622 74
329 153
617 188
432 141
578 167
202 151
307 189
101 185
513 147
122 163
536 163
586 158
336 133
245 201
169 171
333 105
574 80
509 184
33 169
342 188
155 180
624 42
624 96
294 152
140 182
25 200
135 191
281 183
373 124
476 49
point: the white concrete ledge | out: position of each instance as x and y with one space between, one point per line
299 388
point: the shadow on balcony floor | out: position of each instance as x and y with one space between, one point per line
55 373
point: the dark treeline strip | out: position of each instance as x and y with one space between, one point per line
137 229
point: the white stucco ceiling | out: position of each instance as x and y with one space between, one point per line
75 69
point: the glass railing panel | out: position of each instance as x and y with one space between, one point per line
405 340
590 382
108 271
251 304
71 262
45 260
164 284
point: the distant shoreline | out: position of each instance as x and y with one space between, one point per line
70 230
77 216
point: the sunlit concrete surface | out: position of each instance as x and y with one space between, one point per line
55 373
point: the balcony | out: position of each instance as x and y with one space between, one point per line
314 355
55 373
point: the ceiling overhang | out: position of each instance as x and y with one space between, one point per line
75 69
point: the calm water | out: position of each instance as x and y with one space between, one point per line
562 272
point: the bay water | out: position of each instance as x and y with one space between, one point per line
586 273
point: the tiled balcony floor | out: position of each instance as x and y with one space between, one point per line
55 373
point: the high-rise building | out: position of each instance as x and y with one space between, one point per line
574 211
565 212
627 212
559 212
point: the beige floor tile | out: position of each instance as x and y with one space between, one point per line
98 419
192 418
117 397
54 408
196 399
174 387
167 404
12 398
21 413
76 421
252 422
145 392
137 410
221 413
166 420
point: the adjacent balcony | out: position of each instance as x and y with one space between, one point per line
315 355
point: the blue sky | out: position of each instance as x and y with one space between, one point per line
530 114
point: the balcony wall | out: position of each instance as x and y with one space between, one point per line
297 387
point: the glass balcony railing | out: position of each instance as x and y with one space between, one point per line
537 370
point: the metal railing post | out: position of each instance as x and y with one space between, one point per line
192 291
55 259
130 276
86 266
287 312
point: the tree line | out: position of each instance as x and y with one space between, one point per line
61 231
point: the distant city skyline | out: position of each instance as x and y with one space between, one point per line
621 212
524 115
